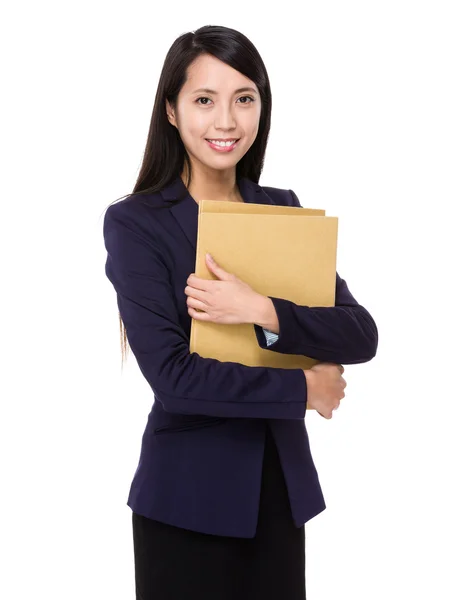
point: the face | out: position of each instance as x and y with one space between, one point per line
216 103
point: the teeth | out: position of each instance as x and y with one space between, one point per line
223 144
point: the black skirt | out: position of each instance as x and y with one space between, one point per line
177 564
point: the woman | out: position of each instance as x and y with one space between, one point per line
225 480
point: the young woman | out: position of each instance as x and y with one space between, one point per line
225 481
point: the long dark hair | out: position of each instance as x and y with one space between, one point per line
165 155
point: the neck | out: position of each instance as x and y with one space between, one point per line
213 185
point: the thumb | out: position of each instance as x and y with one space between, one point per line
216 269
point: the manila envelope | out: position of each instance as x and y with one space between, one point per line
277 255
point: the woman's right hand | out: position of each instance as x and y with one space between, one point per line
325 386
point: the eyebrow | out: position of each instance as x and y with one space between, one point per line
238 91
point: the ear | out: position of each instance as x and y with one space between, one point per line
171 114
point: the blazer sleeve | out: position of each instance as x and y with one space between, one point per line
182 381
345 333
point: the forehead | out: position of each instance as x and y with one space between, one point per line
209 72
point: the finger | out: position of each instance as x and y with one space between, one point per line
217 269
198 315
324 416
199 283
195 293
197 304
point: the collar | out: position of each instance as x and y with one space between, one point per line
186 210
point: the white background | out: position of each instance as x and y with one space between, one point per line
360 128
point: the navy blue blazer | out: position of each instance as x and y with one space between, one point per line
202 447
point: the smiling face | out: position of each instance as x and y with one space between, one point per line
216 103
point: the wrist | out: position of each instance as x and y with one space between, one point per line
266 315
309 375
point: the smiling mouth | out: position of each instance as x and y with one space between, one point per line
224 147
223 143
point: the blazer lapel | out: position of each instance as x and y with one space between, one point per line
186 210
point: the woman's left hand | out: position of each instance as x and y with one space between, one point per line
228 301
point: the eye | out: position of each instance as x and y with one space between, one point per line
202 98
205 98
249 97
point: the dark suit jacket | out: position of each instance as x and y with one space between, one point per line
202 448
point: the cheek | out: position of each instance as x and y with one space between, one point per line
251 131
250 122
193 123
192 134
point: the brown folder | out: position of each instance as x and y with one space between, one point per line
244 208
277 255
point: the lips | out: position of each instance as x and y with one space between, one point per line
223 149
228 140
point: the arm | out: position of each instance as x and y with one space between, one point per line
183 382
345 333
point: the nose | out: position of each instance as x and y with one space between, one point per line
224 118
